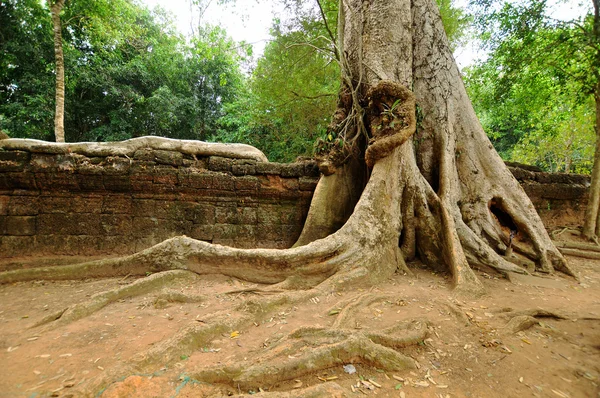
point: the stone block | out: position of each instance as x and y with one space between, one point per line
120 244
23 206
69 224
272 233
145 226
41 163
165 175
223 182
292 170
144 154
116 224
4 200
87 204
117 183
143 207
268 168
19 180
217 163
225 231
311 169
268 215
291 214
203 232
248 215
117 204
290 184
116 165
200 180
90 182
307 183
20 157
200 213
247 183
227 214
20 225
57 181
243 169
171 158
13 246
55 204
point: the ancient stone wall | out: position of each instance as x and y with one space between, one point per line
70 204
559 198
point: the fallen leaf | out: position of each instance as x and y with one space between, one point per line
235 335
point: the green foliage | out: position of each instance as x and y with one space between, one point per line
533 93
292 92
128 73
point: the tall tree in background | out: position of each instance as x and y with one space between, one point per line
561 57
591 227
56 7
129 73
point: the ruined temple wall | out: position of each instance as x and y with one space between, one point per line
69 204
559 198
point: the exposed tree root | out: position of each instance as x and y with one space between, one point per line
330 390
557 232
325 348
353 305
581 253
536 313
525 319
129 147
101 300
520 323
168 296
576 245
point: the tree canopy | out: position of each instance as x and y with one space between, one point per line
128 72
534 92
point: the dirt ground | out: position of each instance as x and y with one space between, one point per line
468 352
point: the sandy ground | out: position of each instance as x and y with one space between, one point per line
468 352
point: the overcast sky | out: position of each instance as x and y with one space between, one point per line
250 20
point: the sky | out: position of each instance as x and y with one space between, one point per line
250 20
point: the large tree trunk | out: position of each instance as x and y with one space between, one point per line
56 7
460 206
591 226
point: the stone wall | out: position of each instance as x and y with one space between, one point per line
70 204
559 198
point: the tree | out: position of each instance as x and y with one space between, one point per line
591 226
129 73
411 174
532 109
292 91
56 7
569 50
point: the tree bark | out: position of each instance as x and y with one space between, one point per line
459 204
591 226
59 115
